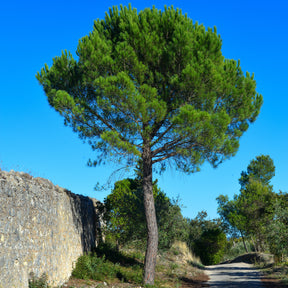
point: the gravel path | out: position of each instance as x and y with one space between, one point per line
234 275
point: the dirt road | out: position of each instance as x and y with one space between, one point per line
234 275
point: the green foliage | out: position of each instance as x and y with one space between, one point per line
249 213
153 77
210 247
257 211
112 266
261 169
199 225
110 253
277 230
254 206
207 239
125 217
92 267
172 225
38 282
235 248
153 86
123 209
229 215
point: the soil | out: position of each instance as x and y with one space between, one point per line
272 283
79 283
197 282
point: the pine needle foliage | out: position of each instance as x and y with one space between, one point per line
157 75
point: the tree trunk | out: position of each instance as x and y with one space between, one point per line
150 213
117 245
254 244
243 239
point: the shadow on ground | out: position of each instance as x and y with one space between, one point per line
234 275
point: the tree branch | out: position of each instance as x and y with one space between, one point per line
99 117
164 157
161 135
166 146
172 145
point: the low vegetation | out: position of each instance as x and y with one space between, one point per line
276 272
108 267
38 282
176 267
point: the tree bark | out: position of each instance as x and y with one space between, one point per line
151 221
254 244
243 239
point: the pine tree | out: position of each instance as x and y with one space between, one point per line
153 86
251 211
261 169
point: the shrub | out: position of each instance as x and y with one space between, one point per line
38 282
98 268
91 267
210 247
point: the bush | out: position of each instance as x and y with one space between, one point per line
91 267
38 282
210 247
98 268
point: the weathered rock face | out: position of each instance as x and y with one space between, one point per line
43 229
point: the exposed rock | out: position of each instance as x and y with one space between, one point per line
43 229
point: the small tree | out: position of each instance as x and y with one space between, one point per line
153 86
254 207
233 221
125 219
256 198
123 211
250 212
261 169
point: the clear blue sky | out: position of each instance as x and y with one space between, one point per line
32 135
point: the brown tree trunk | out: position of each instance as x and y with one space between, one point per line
254 244
243 239
152 237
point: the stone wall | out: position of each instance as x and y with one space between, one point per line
43 229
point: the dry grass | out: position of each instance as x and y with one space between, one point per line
184 253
